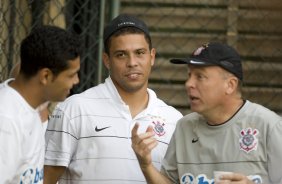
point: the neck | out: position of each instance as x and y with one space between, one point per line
28 90
224 113
137 101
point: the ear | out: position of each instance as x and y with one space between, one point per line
106 60
232 84
45 75
153 56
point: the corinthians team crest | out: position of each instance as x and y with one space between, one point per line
159 124
248 140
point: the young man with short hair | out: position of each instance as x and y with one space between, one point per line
50 61
88 136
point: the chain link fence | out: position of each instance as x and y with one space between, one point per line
253 27
18 17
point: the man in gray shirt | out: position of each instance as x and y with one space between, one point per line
224 132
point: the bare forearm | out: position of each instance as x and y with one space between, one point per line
153 176
52 174
142 145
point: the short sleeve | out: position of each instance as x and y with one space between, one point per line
60 139
169 163
275 153
10 149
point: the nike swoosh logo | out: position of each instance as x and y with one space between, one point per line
100 129
195 140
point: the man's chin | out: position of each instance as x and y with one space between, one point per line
194 108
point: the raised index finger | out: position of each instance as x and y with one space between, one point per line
134 130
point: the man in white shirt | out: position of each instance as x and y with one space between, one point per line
50 60
88 136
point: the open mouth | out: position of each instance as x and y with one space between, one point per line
193 98
133 76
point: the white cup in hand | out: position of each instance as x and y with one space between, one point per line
218 174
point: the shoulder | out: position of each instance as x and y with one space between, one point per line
10 102
190 120
260 112
94 93
161 105
167 111
90 100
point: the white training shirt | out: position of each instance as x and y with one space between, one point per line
249 143
21 139
90 133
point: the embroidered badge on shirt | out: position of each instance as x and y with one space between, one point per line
248 141
159 124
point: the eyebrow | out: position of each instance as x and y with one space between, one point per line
119 51
138 49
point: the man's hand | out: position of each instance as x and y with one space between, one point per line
143 144
234 178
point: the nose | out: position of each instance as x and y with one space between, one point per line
132 61
189 82
76 80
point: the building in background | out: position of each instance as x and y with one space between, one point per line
253 27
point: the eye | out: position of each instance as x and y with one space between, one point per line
140 52
200 77
120 54
73 75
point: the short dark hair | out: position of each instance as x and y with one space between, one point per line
48 47
123 31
